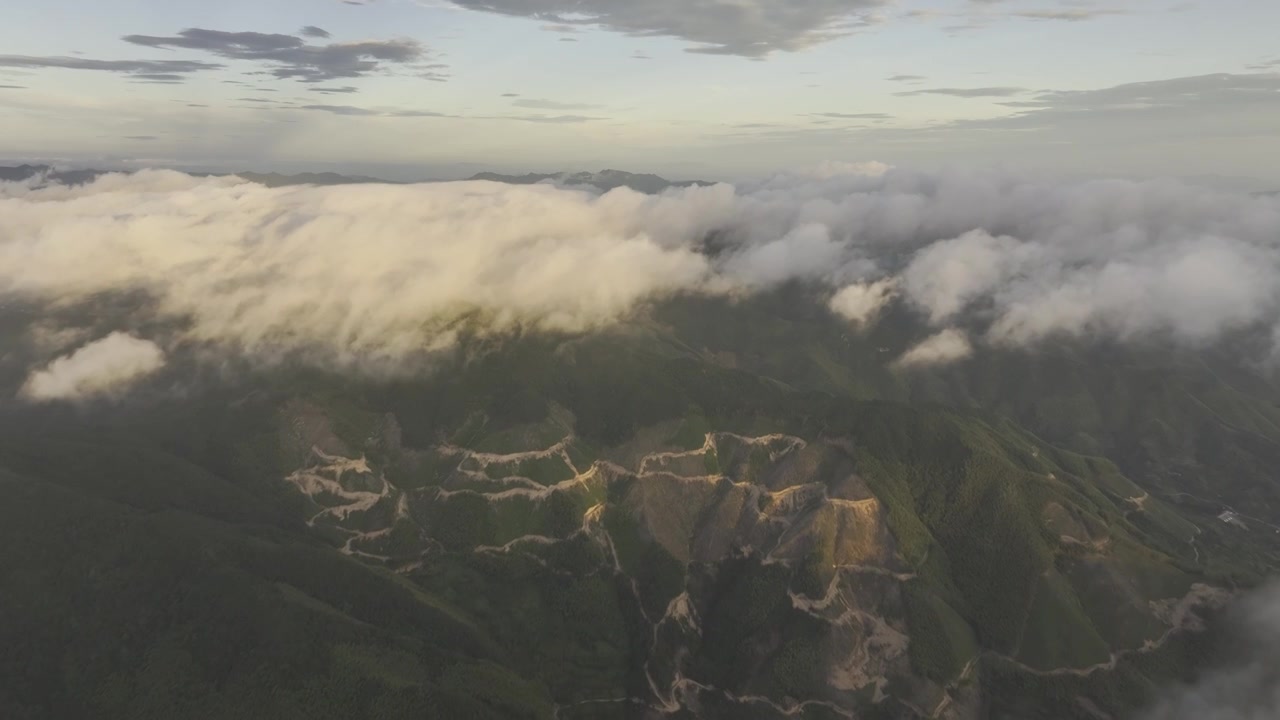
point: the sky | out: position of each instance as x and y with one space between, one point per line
714 89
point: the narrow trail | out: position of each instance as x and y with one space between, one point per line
951 687
541 493
708 444
683 684
558 711
325 482
873 570
486 459
1226 508
1140 502
1180 615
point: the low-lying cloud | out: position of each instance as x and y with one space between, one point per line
945 347
353 276
974 92
103 367
369 277
1247 689
861 303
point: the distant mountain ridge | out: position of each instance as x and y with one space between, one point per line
274 179
50 174
22 173
604 180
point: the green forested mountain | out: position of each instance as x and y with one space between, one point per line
717 510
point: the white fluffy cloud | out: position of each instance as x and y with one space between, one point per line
1029 258
102 367
805 252
946 276
369 275
860 303
945 347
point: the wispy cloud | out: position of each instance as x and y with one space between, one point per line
1177 115
291 57
981 14
548 119
369 112
750 28
285 57
853 116
1066 15
137 68
161 78
976 92
552 105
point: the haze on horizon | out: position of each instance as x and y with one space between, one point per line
721 89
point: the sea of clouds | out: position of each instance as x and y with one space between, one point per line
365 277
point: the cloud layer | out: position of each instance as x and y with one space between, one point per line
363 275
286 57
371 276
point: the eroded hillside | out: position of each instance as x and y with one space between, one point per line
696 571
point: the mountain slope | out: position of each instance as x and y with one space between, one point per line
616 525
